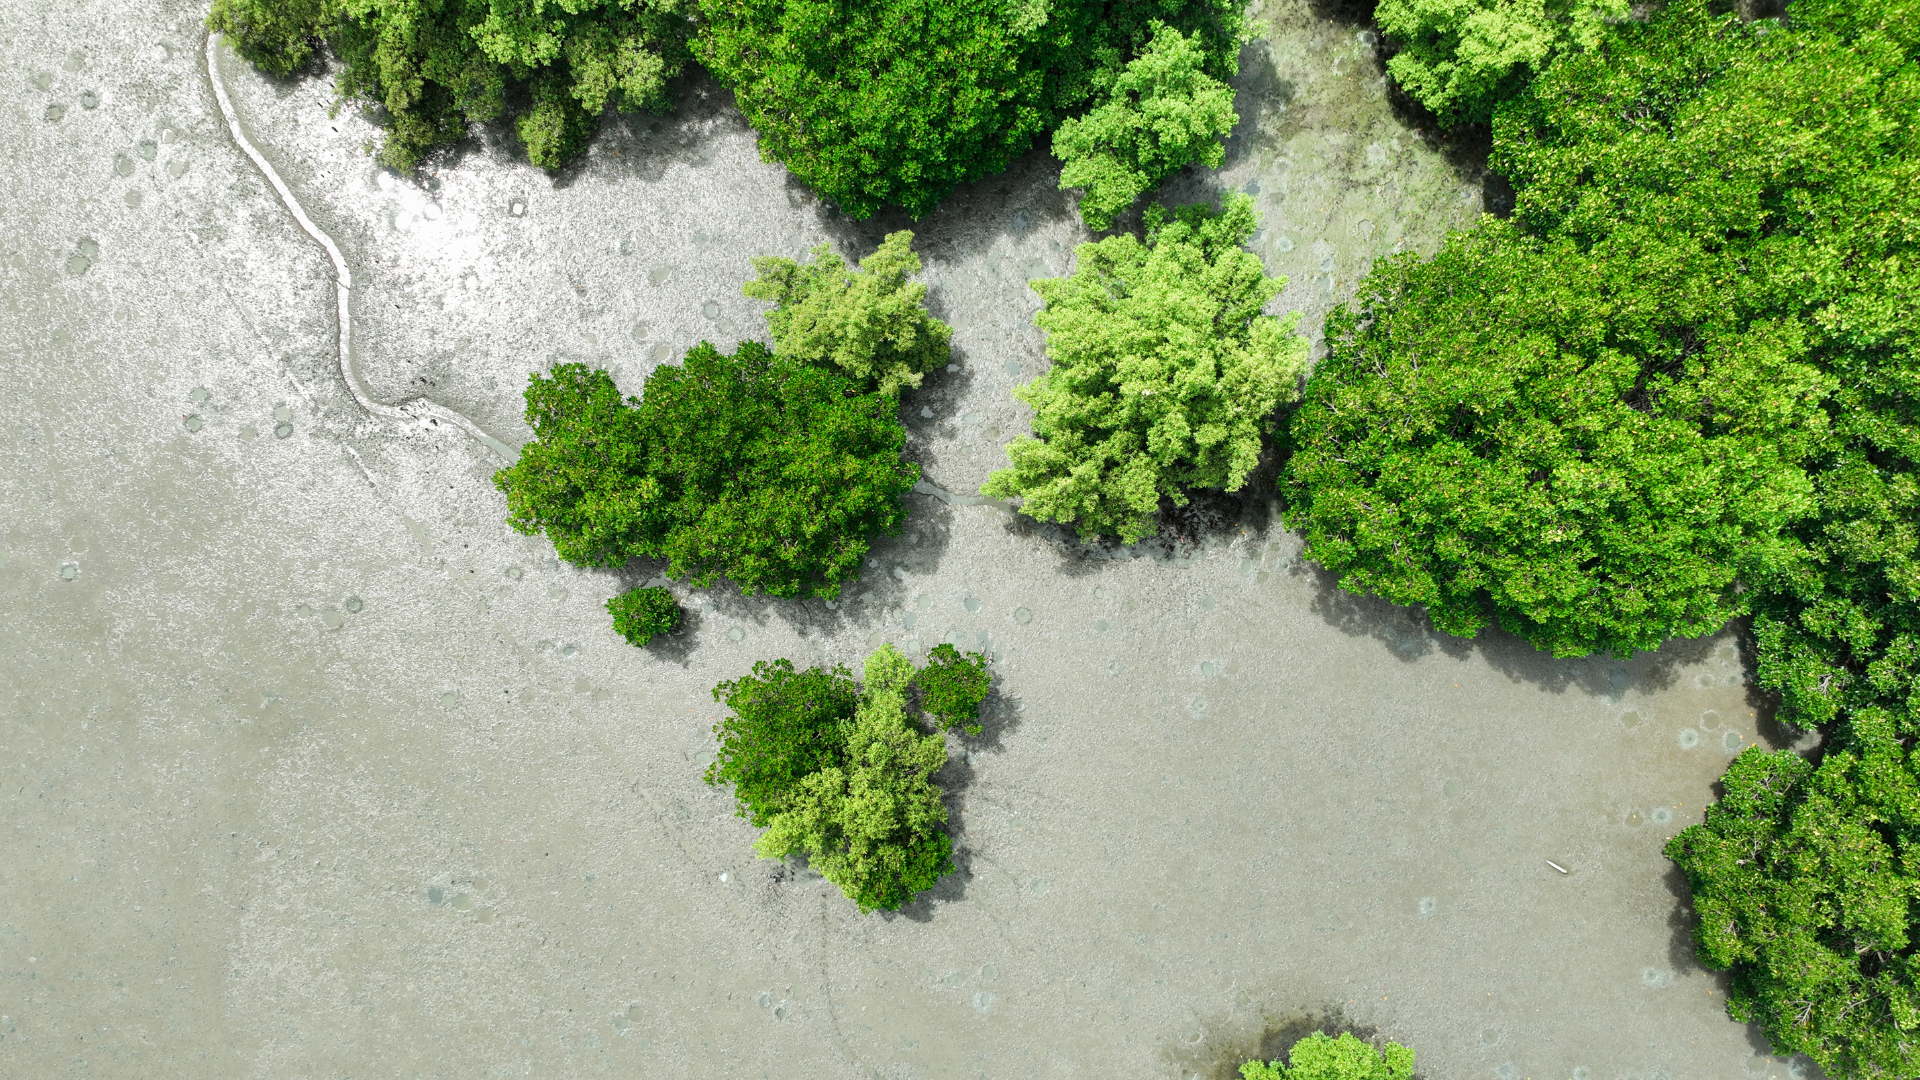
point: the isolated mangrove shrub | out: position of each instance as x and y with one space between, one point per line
639 614
873 824
1804 879
772 473
895 102
871 323
842 775
952 688
1461 58
550 66
786 725
1163 113
1321 1057
1165 375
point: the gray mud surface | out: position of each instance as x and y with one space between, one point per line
314 768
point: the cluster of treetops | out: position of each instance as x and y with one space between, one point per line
1677 386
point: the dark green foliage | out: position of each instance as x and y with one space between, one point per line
436 66
1164 374
895 102
845 777
1804 879
786 725
872 102
772 473
870 323
280 36
638 614
1319 1056
952 688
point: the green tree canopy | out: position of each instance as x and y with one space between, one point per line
952 688
870 323
1461 58
1803 875
772 473
1612 419
1804 880
1164 374
871 102
895 102
786 725
843 775
1322 1057
867 816
1584 444
550 65
1163 113
639 614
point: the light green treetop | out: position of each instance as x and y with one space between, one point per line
1164 374
872 826
1164 113
1460 58
1320 1057
872 323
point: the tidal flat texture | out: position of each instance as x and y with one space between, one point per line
312 767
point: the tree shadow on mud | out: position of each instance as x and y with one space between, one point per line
999 717
1409 635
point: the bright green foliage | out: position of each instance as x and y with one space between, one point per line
436 66
874 824
638 614
786 725
1581 443
1163 113
1460 58
1320 1057
1839 94
1164 374
770 472
871 323
1716 223
1804 879
952 687
895 102
1709 232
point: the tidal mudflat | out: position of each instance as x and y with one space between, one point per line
316 768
